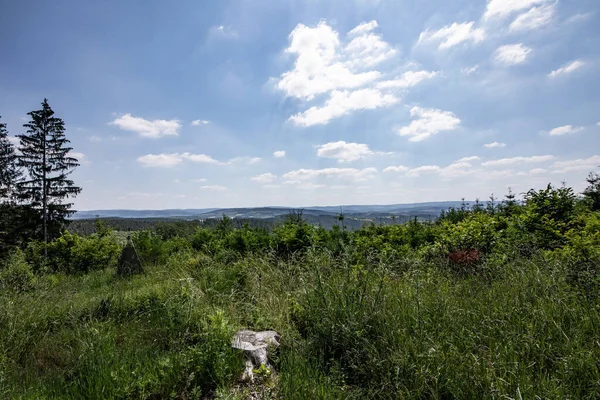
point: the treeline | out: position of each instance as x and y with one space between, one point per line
34 181
86 227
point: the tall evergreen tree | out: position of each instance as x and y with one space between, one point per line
9 170
45 156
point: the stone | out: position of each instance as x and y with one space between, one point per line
255 346
129 262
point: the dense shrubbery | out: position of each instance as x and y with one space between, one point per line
496 301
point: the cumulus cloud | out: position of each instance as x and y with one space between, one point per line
512 54
264 178
504 8
198 122
396 168
172 159
344 152
428 122
343 69
517 160
352 174
452 35
582 164
160 160
279 154
246 160
565 130
407 80
534 18
567 69
415 172
145 128
323 64
341 103
494 145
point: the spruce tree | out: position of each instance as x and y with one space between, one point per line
45 156
9 170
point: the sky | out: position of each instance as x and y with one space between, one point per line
243 103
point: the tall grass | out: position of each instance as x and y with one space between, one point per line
380 326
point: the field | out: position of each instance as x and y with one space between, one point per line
498 301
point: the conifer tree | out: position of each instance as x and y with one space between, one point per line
45 156
9 170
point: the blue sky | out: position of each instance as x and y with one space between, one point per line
192 104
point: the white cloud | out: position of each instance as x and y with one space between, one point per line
145 128
264 178
323 65
567 69
408 79
364 28
565 130
512 54
470 70
201 180
160 160
503 8
367 50
200 158
215 188
223 31
396 168
344 152
95 139
534 18
353 174
467 159
494 145
429 122
198 122
344 69
341 103
279 154
79 156
517 160
415 172
170 160
245 160
582 164
453 35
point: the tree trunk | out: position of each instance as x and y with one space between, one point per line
44 200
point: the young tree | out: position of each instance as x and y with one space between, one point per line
9 170
592 192
45 156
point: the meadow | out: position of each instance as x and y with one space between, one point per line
497 300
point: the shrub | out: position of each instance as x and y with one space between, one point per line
16 275
71 253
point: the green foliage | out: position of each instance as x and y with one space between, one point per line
16 274
368 314
592 192
71 253
45 155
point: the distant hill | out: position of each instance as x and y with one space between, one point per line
355 215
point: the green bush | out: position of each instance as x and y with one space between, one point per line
73 254
16 275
